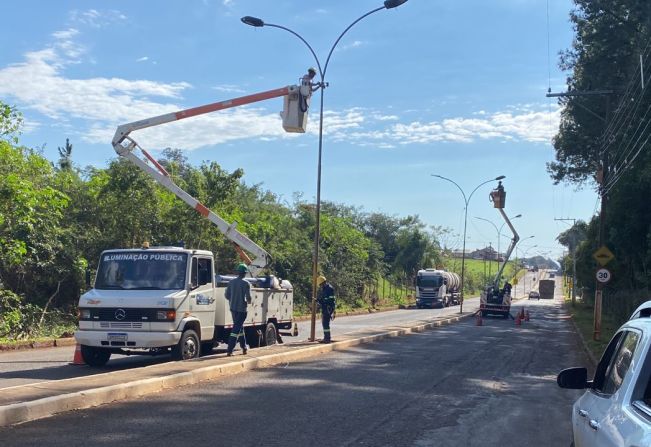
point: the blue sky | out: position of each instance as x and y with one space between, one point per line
455 88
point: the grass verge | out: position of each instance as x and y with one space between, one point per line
583 315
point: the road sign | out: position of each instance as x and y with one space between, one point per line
604 275
603 255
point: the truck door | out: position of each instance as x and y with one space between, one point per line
202 296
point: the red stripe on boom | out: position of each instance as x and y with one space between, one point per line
202 210
232 103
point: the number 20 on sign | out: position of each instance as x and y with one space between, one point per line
604 275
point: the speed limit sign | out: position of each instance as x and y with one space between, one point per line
604 275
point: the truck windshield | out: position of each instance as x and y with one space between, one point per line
150 270
430 281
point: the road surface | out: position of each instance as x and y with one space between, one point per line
460 385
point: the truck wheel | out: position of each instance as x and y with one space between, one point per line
95 356
187 347
269 335
252 337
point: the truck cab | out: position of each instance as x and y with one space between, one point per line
431 290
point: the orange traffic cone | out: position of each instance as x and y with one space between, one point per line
518 321
526 316
78 359
479 321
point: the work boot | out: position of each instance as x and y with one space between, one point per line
229 354
244 351
324 341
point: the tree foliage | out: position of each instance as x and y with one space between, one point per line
55 219
609 135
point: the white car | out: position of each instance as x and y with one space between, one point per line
615 410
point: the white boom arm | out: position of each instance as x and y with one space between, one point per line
124 145
514 241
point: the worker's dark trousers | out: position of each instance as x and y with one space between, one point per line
325 320
237 332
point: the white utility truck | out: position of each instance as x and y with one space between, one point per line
168 299
436 288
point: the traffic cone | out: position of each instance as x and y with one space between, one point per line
479 321
526 316
518 321
78 359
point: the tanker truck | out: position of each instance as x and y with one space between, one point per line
437 288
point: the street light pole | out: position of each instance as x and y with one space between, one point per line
524 254
465 226
256 22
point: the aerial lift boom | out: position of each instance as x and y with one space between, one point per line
294 120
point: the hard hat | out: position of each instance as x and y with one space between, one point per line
311 70
320 280
242 268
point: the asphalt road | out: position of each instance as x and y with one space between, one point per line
26 367
460 385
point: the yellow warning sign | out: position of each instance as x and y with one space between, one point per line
603 255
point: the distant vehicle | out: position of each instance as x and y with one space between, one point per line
615 409
437 288
546 288
534 295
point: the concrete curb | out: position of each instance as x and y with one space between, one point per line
41 408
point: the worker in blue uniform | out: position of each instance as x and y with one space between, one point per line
326 300
238 294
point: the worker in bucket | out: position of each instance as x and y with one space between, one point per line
326 300
238 294
307 78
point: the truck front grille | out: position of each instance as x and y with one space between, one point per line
116 325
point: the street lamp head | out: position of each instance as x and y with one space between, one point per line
516 217
252 21
501 177
389 4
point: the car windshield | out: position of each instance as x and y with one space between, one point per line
430 281
140 270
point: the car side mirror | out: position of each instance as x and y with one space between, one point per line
573 378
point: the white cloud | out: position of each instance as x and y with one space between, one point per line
142 59
228 88
97 19
354 44
527 125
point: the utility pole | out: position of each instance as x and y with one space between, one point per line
574 249
602 175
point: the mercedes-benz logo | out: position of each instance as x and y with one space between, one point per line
120 314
